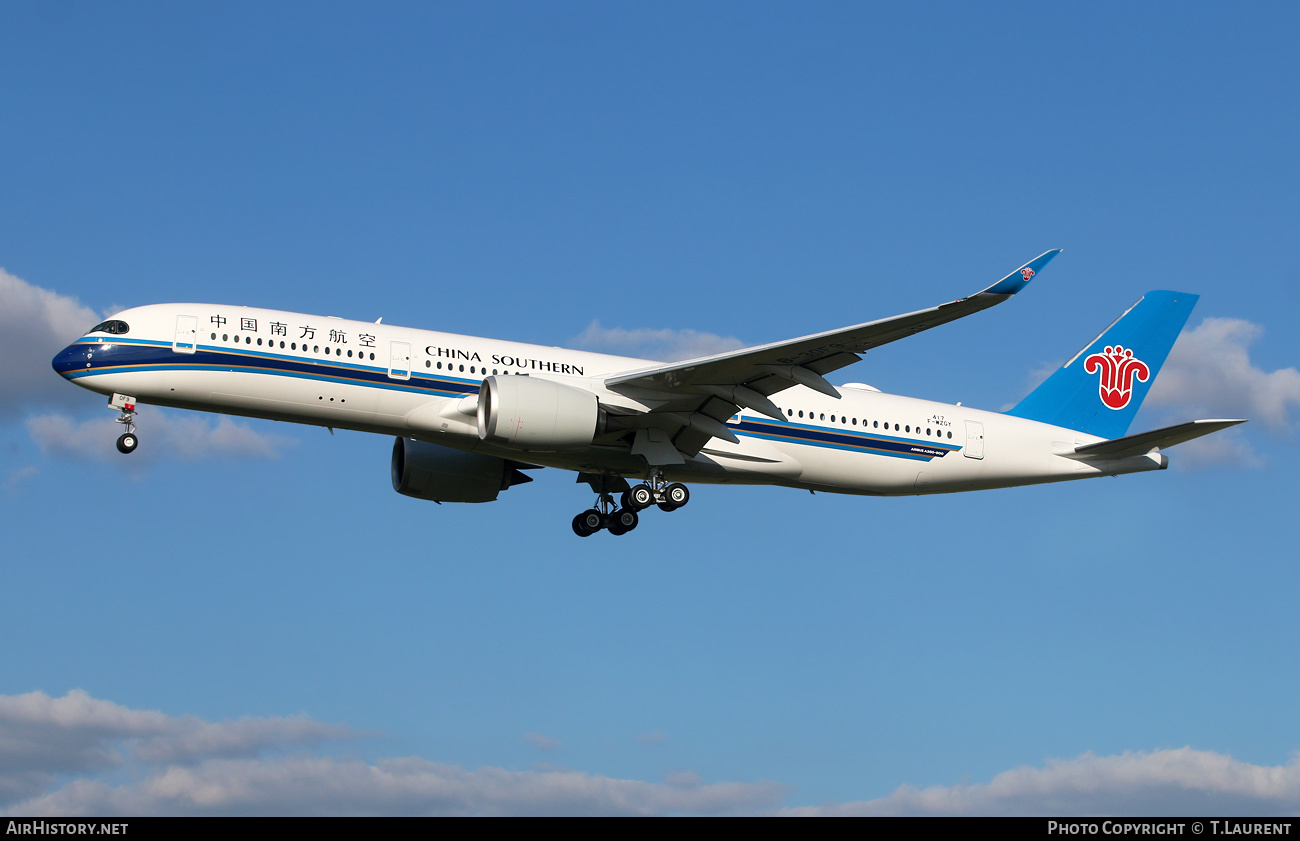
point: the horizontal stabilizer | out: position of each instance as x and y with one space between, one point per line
1145 442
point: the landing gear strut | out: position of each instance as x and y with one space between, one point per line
621 520
127 441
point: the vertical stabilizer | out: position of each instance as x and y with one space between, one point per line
1101 388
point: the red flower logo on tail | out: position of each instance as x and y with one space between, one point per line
1118 367
1026 274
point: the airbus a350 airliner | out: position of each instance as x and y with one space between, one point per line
471 414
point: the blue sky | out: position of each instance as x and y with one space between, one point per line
245 606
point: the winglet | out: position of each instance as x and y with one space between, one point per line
1019 279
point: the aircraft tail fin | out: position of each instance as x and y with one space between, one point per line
1101 388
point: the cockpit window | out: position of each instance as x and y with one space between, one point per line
117 328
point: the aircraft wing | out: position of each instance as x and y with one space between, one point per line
698 395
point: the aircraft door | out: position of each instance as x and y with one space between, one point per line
974 440
187 333
399 360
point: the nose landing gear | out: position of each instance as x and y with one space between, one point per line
127 441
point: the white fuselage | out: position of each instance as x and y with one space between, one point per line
424 384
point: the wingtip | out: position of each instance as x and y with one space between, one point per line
1019 279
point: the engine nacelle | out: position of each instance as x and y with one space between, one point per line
536 414
429 471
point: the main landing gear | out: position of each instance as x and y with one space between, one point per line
622 520
127 441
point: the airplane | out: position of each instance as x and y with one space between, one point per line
469 415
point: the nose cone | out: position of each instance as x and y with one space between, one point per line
72 359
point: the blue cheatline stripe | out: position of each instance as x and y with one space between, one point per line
145 355
157 356
876 444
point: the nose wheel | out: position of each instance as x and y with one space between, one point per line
127 441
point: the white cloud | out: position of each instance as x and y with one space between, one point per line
133 762
79 755
542 742
162 434
666 345
1209 372
1162 782
35 324
17 477
41 737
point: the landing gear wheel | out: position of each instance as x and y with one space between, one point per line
580 527
667 506
677 495
126 442
640 497
623 521
588 523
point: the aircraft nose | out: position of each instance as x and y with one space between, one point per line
71 359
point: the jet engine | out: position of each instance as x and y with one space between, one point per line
429 471
536 414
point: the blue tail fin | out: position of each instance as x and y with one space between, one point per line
1100 389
